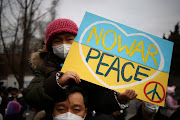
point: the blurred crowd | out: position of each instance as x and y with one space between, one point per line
12 104
14 107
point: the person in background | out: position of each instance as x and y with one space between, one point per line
47 64
171 103
14 111
148 111
17 96
9 91
4 102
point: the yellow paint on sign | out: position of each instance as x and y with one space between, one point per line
108 70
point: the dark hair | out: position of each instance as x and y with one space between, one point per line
63 96
9 89
15 89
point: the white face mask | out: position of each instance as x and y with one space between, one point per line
67 116
151 108
61 50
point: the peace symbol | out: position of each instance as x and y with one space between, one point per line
154 92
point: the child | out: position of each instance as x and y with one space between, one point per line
47 63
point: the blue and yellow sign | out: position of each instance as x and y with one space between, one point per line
119 57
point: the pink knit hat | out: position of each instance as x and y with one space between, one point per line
13 107
58 26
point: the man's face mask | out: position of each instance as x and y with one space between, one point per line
61 50
151 108
68 116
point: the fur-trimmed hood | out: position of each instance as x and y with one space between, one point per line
35 59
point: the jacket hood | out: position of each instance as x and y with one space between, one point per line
35 59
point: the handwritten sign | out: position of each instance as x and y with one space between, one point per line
119 57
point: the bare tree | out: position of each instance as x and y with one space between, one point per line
174 74
19 22
43 24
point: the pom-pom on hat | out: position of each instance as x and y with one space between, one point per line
58 26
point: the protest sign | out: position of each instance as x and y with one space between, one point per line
119 57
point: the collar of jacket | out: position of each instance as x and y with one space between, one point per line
43 57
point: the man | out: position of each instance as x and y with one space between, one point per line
73 106
148 111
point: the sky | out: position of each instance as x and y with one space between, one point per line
155 17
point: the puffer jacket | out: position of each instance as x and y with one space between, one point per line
41 92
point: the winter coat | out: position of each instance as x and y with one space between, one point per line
41 92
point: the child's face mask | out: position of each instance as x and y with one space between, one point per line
151 108
61 50
68 116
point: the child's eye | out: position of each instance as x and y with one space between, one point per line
70 39
56 40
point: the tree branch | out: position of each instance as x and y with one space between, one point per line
7 21
12 10
40 17
2 38
20 3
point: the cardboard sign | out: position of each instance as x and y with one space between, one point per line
119 57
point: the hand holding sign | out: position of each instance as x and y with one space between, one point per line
67 76
129 94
